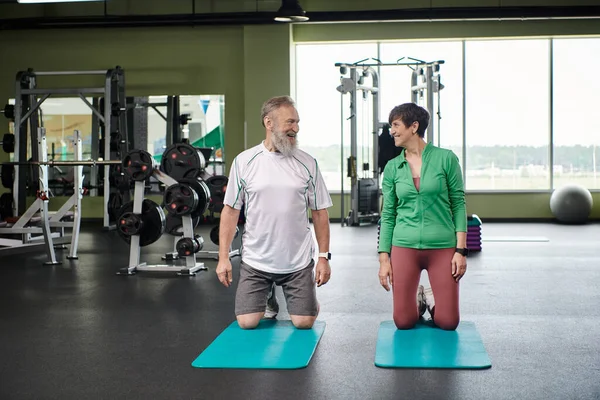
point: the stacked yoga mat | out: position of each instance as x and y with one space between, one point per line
473 233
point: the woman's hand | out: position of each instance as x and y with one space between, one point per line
459 266
385 272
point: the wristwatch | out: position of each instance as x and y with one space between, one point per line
325 255
463 252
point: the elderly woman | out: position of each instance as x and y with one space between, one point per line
423 224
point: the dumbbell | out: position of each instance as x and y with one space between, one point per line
188 246
8 143
8 111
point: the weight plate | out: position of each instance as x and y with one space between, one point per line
174 225
139 165
203 192
152 220
115 203
130 224
182 161
6 205
118 179
9 111
217 185
8 143
180 199
8 175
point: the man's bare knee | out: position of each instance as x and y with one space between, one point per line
249 321
303 321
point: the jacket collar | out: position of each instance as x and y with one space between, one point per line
402 158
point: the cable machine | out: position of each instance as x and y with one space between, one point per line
365 191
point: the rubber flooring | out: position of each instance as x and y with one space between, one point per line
77 330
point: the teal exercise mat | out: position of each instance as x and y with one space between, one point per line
273 344
426 346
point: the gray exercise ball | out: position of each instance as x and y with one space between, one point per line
571 204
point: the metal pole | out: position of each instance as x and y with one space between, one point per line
343 200
353 150
43 188
19 183
65 163
34 108
551 114
95 151
96 112
432 125
64 91
375 94
78 192
464 115
106 136
57 73
414 78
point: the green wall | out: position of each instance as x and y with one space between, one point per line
247 64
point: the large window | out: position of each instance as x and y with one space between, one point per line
507 115
396 86
576 122
508 107
321 110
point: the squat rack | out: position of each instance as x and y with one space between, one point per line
27 114
425 81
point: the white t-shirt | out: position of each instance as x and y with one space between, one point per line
277 192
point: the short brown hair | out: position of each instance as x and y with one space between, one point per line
409 113
273 104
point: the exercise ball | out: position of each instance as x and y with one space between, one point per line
571 204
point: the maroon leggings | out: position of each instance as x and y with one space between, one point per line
407 265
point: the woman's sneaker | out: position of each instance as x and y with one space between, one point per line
421 304
429 300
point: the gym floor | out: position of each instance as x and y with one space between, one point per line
77 330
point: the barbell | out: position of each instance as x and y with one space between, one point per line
64 163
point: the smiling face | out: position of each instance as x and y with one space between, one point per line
403 133
282 124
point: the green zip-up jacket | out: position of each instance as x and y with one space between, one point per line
427 218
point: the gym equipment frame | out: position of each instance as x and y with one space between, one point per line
26 111
48 220
353 85
191 266
425 81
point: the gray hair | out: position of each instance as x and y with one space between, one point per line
273 104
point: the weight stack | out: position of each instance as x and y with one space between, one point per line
473 233
367 196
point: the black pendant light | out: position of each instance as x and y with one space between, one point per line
291 11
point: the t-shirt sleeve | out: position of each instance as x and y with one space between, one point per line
318 195
235 195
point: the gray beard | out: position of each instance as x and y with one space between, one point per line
282 143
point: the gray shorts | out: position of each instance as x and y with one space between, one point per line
299 289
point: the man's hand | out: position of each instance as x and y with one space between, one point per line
323 272
459 266
224 272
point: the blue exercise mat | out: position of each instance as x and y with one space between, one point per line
272 344
427 346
